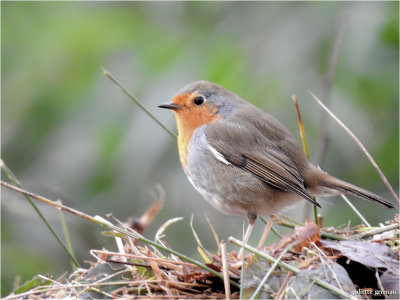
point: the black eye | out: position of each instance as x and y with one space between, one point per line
198 100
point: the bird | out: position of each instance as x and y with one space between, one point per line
244 161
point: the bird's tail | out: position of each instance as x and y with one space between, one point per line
332 184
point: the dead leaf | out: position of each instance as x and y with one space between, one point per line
306 235
390 282
370 254
363 260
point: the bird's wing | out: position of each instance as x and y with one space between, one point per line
256 154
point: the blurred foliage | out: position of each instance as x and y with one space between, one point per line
69 133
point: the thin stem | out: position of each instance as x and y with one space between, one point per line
242 269
302 132
137 102
303 139
323 233
290 268
67 235
293 221
264 280
100 221
274 230
375 231
14 179
225 271
364 150
355 210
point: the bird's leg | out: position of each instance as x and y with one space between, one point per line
266 231
252 220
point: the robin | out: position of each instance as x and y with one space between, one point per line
244 161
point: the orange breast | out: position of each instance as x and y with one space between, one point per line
188 119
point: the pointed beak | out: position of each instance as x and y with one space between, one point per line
172 106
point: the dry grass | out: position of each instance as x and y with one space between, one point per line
140 270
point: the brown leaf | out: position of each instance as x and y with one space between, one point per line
370 254
306 235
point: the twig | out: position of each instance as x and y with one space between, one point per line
308 287
67 236
97 283
364 150
324 260
355 210
138 103
302 133
323 233
290 268
375 231
225 272
290 288
264 280
303 139
52 203
242 269
160 232
274 230
293 221
14 179
168 263
214 233
378 280
99 220
279 295
199 243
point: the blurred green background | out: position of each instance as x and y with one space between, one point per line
69 133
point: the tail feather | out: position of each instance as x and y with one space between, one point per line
351 189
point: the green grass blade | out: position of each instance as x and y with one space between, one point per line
14 179
137 102
99 220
